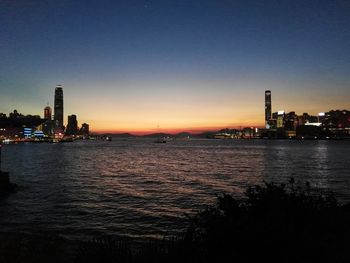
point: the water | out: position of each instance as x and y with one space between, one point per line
140 189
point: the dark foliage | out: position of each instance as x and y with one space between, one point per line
34 249
276 223
103 250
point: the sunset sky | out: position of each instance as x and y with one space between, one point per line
147 66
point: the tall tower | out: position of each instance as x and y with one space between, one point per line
48 113
72 126
59 108
267 108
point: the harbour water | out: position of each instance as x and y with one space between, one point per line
140 189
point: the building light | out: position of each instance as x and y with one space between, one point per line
313 124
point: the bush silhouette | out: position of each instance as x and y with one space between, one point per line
103 250
277 223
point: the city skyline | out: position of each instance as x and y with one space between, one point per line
148 66
54 124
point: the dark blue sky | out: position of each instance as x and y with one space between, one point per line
134 55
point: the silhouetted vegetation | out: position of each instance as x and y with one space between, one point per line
273 223
104 250
33 249
278 223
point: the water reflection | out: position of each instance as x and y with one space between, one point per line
138 188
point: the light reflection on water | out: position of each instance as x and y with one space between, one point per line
139 188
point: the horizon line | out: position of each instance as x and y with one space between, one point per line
174 131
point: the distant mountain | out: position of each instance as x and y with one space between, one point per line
208 134
158 135
183 135
119 135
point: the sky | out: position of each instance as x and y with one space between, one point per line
147 66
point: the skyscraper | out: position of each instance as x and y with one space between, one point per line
48 113
85 129
72 126
281 119
267 108
59 109
48 125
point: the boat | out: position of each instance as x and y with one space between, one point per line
106 138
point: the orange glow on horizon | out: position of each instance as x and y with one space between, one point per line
190 105
173 130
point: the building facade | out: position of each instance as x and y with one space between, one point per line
72 126
48 113
58 114
48 125
267 108
85 129
280 119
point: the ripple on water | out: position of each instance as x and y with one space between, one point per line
137 188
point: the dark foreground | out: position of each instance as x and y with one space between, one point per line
274 223
6 187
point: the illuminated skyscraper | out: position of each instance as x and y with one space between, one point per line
59 109
280 119
48 113
267 108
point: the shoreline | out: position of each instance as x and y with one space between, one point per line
181 139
